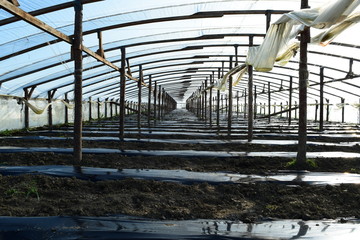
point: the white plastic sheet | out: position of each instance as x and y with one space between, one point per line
280 34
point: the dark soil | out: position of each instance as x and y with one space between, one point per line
47 196
29 195
245 165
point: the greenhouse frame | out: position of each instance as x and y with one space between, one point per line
266 88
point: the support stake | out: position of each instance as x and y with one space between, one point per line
122 94
230 112
77 47
321 119
139 98
149 102
250 104
290 98
303 78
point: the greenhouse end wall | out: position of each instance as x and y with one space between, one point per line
12 113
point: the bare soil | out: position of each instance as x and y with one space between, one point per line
51 196
29 195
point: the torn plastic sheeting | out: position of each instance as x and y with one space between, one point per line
239 71
126 227
38 110
326 37
185 177
262 58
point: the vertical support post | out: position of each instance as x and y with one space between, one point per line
343 110
350 73
122 94
77 50
226 103
250 104
111 108
327 109
50 119
66 109
155 102
290 98
202 101
218 105
196 103
159 110
106 108
90 110
117 108
316 109
268 19
359 113
98 109
236 55
162 103
296 106
206 99
255 102
26 110
210 101
269 102
230 112
149 101
303 78
50 114
222 69
139 98
237 104
100 51
245 103
321 127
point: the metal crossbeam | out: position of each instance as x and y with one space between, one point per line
7 6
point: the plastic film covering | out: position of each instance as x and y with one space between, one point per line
280 33
180 44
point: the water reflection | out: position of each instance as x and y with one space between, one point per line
186 177
126 227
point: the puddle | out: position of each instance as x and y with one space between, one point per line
185 177
124 227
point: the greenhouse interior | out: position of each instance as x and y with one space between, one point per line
169 119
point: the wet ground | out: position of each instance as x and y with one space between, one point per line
189 145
